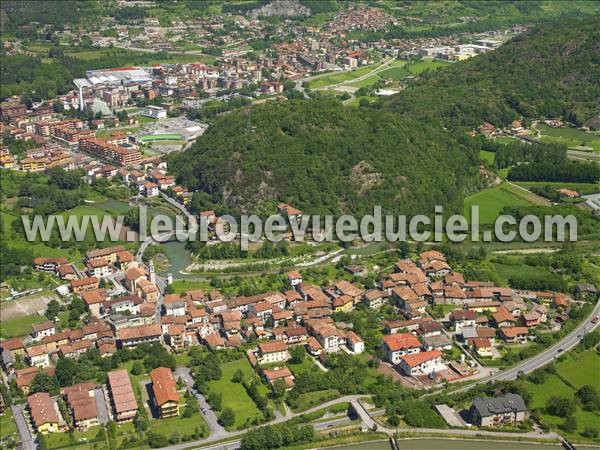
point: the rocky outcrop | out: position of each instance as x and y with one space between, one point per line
281 8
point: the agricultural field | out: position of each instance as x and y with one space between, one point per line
234 394
577 369
569 136
492 200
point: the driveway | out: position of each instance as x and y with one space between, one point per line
216 430
27 438
101 405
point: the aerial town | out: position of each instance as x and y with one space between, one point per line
197 110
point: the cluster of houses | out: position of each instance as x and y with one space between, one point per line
90 404
484 314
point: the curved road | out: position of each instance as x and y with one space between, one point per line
547 356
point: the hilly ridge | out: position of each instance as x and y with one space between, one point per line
406 153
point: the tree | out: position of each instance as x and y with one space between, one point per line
297 353
215 399
560 406
570 424
52 309
66 371
589 397
156 440
394 420
137 368
227 417
590 432
43 382
238 376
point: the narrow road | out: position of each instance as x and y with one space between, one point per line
27 438
211 419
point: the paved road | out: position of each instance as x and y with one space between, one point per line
27 438
103 415
216 430
547 356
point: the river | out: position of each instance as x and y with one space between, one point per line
449 444
179 258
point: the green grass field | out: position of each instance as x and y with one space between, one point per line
8 427
311 399
307 365
554 386
234 394
491 201
160 137
581 369
569 136
184 426
422 66
339 77
20 326
487 157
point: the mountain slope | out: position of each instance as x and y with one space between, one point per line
323 157
552 70
406 153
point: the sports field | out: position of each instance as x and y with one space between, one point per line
160 137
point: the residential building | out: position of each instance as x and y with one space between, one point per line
508 409
123 399
44 415
164 389
396 346
272 352
423 363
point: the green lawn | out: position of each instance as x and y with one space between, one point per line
307 365
554 386
395 73
581 369
425 65
487 157
78 440
234 394
491 201
20 326
184 426
311 399
8 426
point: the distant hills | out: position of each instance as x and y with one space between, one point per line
552 70
406 153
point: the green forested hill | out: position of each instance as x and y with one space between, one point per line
323 157
406 153
552 70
